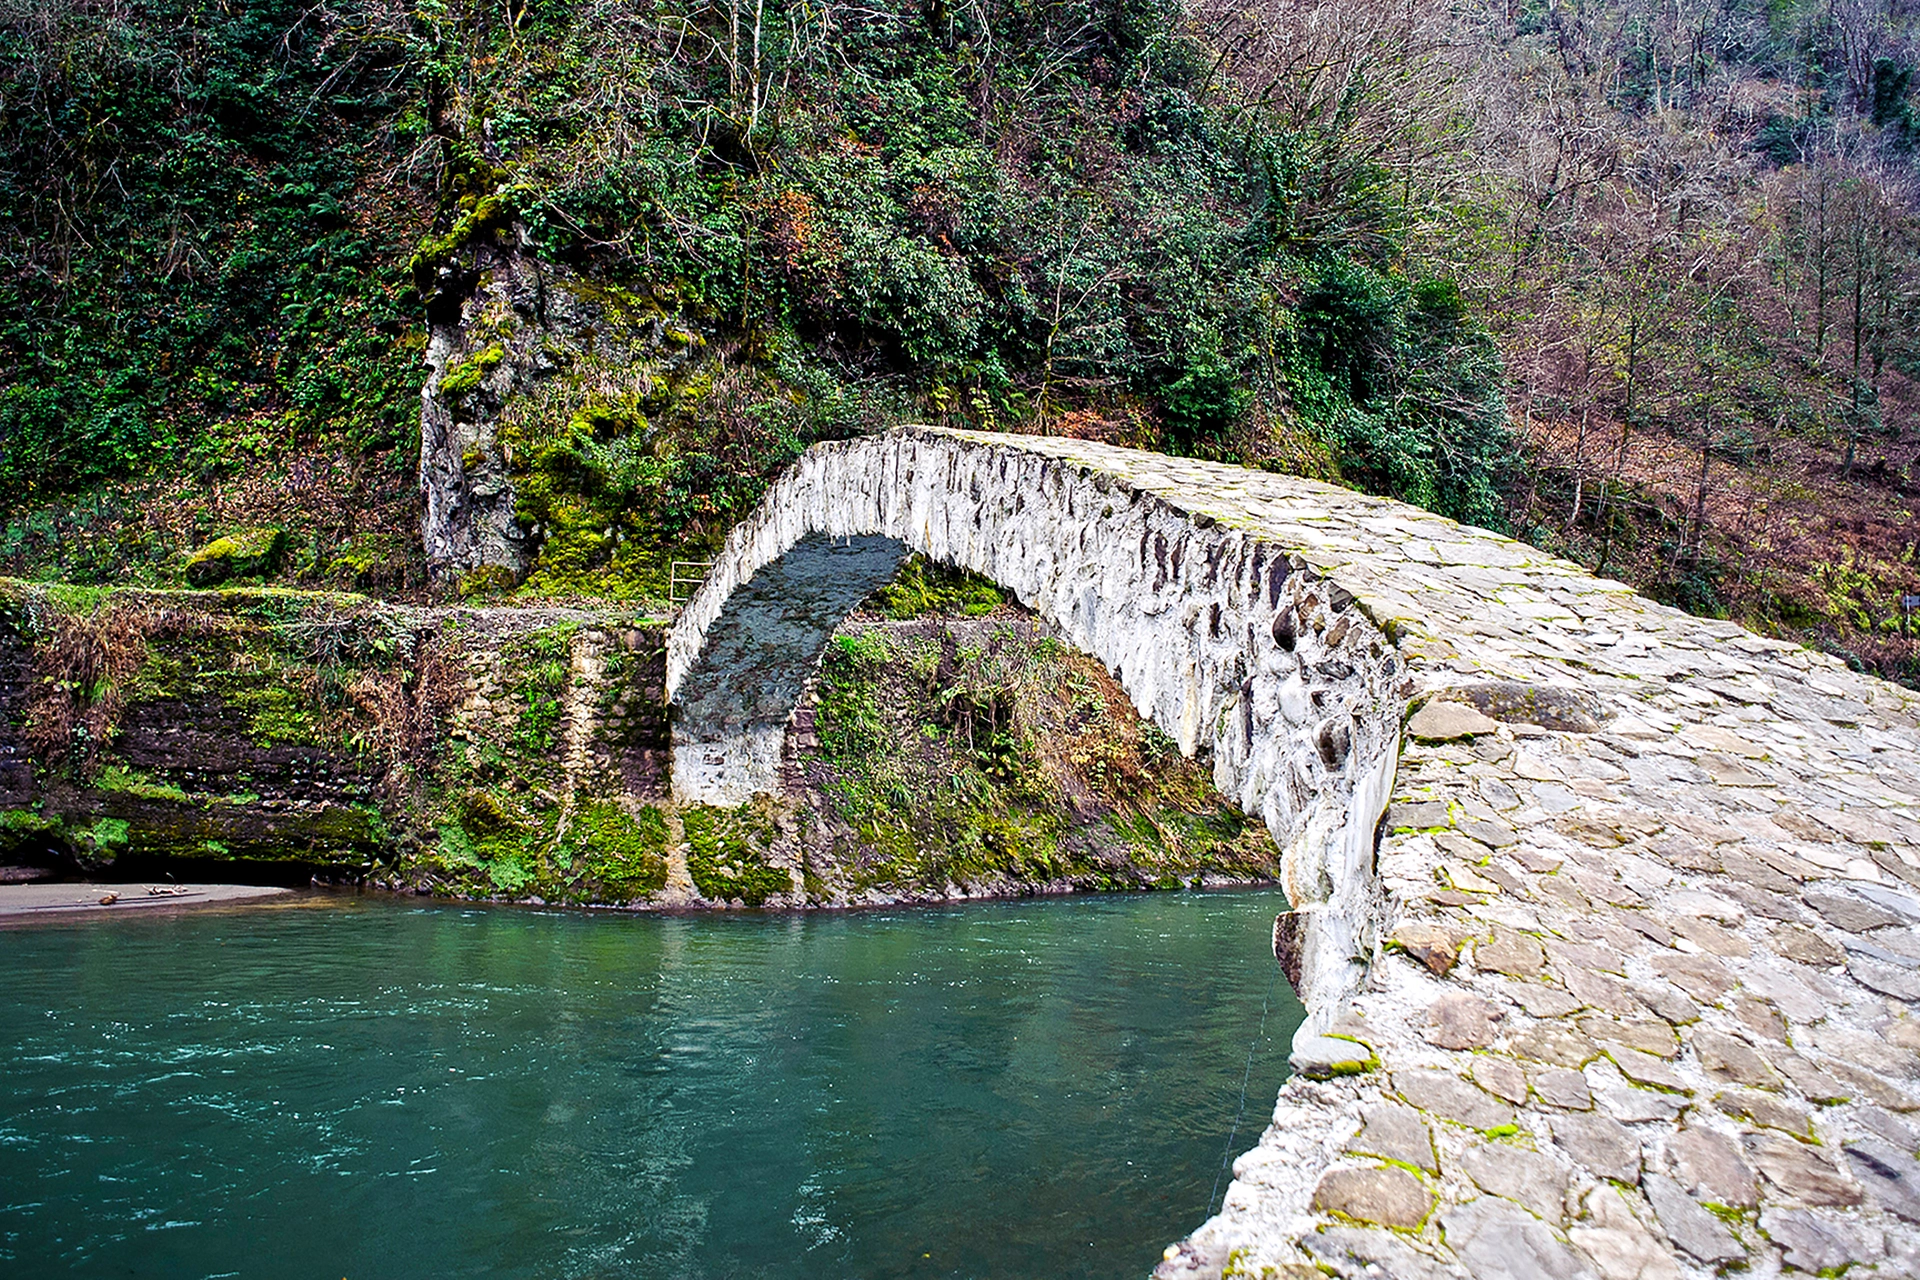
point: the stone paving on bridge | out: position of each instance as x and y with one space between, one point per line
1643 941
1653 938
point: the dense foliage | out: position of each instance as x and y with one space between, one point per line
197 266
224 225
1701 229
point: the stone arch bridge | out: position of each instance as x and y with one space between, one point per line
1605 916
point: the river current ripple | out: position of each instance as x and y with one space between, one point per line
361 1088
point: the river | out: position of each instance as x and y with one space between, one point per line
365 1087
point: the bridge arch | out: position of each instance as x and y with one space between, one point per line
1226 640
1591 784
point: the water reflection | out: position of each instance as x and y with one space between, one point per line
378 1089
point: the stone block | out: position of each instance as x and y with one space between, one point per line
1397 1133
1891 1177
1501 1169
1765 1110
1800 1172
1605 1148
1448 722
1358 1251
1621 1246
1708 1163
1730 1061
1848 911
1564 1089
1555 1043
1436 946
1381 1194
1516 954
1816 1245
1451 1098
1498 1240
1461 1021
1689 1226
1324 1057
1500 1077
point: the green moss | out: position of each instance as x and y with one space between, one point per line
487 580
479 216
161 675
624 854
129 782
511 869
276 714
376 830
77 600
26 822
20 827
463 376
725 856
540 664
1361 1065
482 816
923 587
365 556
489 850
241 554
851 725
1023 845
109 833
455 849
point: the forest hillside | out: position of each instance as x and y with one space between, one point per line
1634 282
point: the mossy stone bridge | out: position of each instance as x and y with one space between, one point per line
1605 915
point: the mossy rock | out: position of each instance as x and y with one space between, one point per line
246 553
487 580
481 815
726 855
626 855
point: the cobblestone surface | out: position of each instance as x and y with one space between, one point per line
1689 926
1645 916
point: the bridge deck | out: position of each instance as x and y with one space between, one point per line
1647 936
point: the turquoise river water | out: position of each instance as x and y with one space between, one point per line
362 1088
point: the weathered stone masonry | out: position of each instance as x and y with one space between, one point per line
1621 985
1225 640
301 728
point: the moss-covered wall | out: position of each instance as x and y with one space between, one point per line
141 728
525 754
956 756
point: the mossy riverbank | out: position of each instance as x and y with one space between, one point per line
523 754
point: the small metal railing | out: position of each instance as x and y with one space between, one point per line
684 578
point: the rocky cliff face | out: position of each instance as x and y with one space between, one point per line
519 352
482 344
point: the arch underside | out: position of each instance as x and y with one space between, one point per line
730 721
